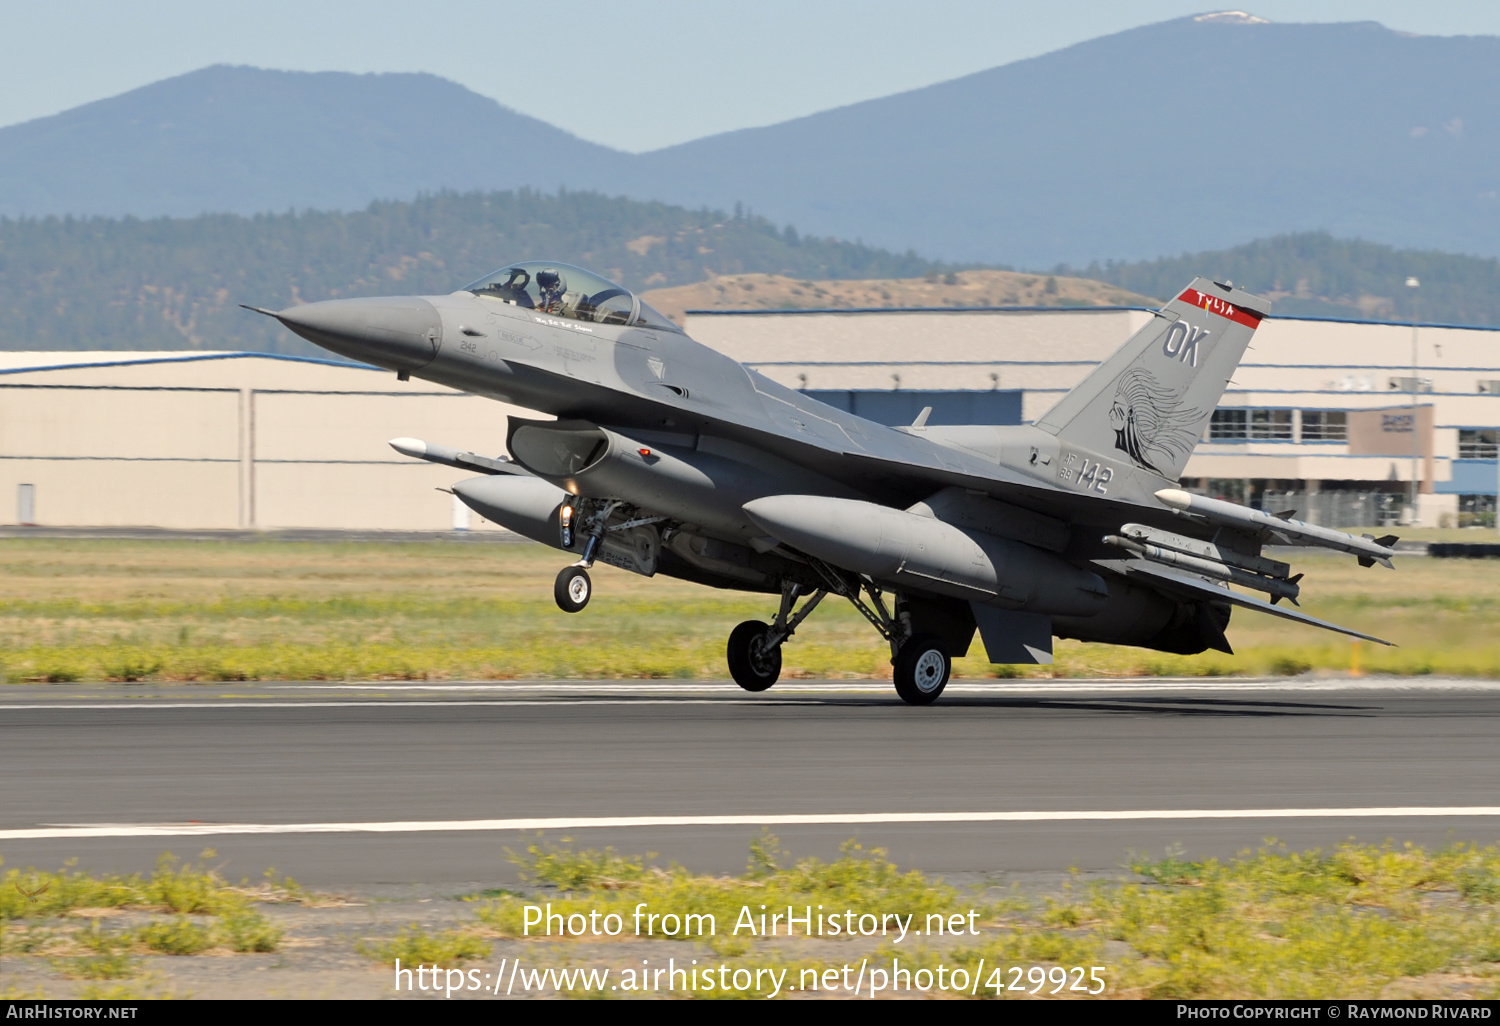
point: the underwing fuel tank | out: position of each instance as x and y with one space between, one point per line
524 505
916 551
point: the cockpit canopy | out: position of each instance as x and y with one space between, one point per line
567 291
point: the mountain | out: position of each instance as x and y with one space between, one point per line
1189 135
248 141
176 283
1315 275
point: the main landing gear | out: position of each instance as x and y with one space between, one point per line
921 662
922 667
754 652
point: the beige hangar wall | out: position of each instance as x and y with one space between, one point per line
229 441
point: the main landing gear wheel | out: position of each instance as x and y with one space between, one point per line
753 663
922 669
572 589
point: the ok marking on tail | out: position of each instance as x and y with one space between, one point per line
1182 342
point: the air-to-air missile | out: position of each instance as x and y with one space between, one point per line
1368 548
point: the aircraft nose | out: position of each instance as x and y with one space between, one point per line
400 333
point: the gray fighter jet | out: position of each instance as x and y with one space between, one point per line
666 457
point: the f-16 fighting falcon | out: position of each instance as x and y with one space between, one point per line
666 457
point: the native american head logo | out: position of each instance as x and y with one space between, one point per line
1151 423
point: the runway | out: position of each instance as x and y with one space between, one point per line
359 785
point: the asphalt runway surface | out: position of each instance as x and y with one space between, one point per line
411 784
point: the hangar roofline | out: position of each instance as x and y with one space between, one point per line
1062 309
921 309
184 358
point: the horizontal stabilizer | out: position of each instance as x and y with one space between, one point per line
1188 586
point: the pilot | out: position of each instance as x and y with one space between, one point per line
553 287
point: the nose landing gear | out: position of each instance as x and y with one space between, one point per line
572 589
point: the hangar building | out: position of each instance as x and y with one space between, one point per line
1318 418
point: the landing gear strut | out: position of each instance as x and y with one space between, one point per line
921 663
573 587
754 651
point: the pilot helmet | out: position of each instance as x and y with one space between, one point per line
550 280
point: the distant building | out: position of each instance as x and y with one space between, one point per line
227 440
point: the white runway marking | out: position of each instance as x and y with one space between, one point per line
560 693
64 831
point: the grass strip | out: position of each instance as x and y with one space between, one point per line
1358 920
95 610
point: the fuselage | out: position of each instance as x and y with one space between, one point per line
658 386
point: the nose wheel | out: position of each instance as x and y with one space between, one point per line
572 589
922 667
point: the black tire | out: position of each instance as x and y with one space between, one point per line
752 664
922 669
573 589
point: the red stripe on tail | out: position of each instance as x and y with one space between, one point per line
1215 305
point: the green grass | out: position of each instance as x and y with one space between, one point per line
179 936
107 955
860 879
174 886
248 931
206 912
415 946
1358 920
234 611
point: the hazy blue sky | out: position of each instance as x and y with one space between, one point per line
635 74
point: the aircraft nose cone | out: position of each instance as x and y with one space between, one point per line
400 333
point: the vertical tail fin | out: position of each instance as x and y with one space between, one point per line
1153 398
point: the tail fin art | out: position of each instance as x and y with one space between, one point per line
1153 398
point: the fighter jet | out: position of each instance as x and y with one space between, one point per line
660 455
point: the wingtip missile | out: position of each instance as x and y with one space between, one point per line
451 457
1295 532
413 447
